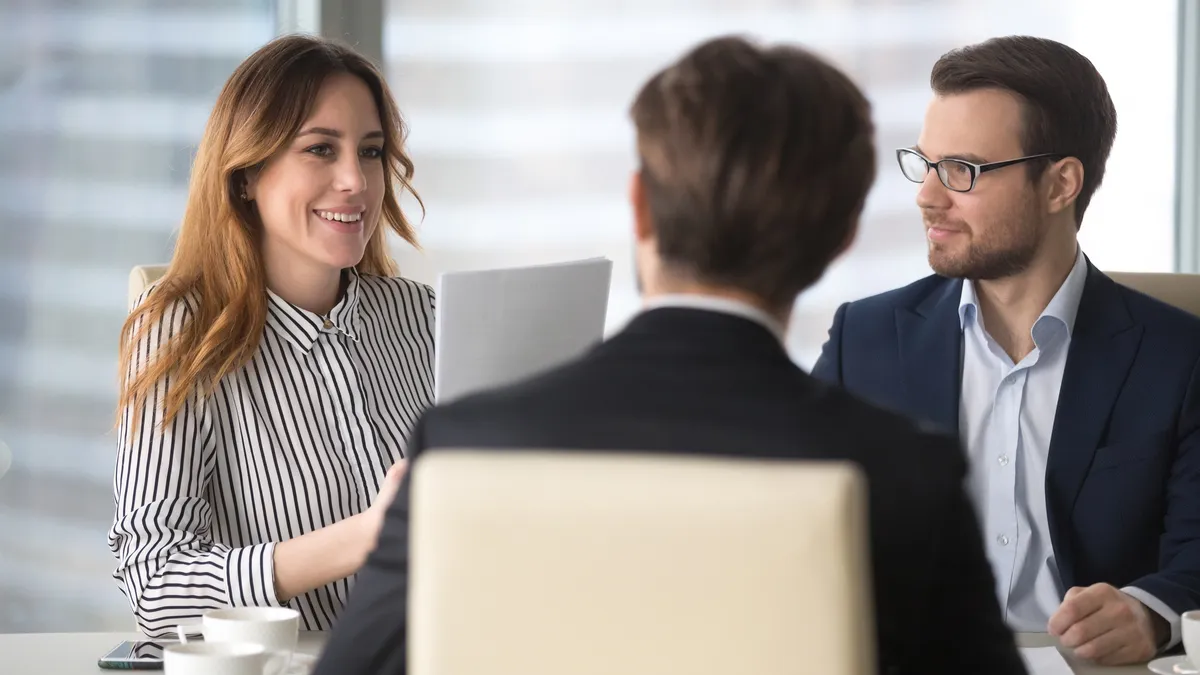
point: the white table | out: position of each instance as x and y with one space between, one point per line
77 653
1080 668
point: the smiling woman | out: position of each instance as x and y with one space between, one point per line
271 378
319 199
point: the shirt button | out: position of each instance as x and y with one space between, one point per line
1003 460
328 324
1002 540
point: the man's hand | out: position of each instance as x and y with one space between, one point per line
1102 624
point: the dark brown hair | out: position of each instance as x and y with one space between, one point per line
756 163
1066 106
216 261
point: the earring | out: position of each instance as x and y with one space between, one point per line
245 197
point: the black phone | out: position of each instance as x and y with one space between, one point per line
136 655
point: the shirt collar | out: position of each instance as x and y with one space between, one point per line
302 327
1064 306
713 303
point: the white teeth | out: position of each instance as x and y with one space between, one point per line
340 217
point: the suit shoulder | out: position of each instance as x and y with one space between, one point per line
554 390
906 296
1159 315
549 386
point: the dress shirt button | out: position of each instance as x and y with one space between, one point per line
328 324
1002 540
1003 460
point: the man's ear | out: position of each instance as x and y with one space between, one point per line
643 223
1065 182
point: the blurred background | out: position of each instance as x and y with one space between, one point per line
523 148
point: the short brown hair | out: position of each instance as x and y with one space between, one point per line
756 163
1067 109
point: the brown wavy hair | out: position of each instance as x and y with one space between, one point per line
217 271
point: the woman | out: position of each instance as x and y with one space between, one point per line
270 379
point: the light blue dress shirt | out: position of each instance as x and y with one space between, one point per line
1006 418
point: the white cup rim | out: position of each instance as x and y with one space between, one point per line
1193 615
230 649
252 614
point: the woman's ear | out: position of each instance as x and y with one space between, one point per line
249 182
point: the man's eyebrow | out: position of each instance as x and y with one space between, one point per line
964 156
967 157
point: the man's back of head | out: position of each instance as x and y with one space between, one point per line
754 166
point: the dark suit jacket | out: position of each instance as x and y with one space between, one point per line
1123 473
697 382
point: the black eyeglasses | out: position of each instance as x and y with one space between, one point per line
956 174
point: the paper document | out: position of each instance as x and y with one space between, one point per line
495 327
1045 661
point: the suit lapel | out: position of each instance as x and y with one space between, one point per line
1104 342
930 342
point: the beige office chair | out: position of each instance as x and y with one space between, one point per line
1180 290
140 278
527 563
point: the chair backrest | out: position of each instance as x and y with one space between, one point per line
541 563
1180 290
140 278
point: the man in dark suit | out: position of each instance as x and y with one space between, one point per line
755 164
1078 400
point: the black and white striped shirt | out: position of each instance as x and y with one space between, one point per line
297 439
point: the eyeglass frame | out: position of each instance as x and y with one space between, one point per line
976 169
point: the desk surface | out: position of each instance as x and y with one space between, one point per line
76 653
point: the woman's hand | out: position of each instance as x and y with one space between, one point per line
373 516
336 551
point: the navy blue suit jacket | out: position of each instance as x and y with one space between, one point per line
1123 474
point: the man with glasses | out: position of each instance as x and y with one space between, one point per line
1078 400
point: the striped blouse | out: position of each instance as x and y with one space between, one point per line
297 439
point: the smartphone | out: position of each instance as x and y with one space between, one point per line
137 655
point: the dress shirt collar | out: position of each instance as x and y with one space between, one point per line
712 303
1062 309
301 327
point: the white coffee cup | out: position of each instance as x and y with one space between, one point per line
1190 625
275 629
202 658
